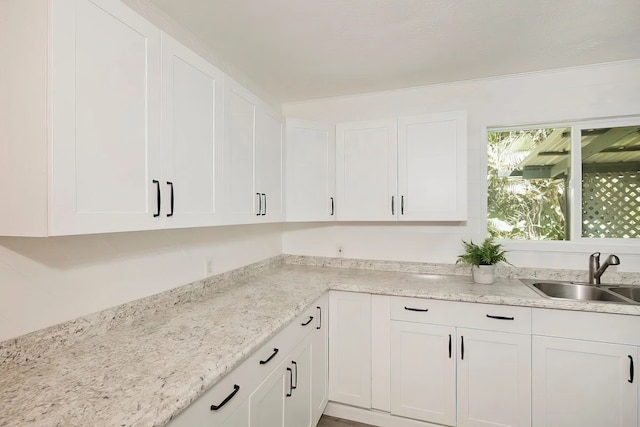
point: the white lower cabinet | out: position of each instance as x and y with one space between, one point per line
584 374
450 363
283 384
225 405
238 417
487 372
583 383
297 403
350 349
423 372
320 360
447 373
266 404
494 378
284 398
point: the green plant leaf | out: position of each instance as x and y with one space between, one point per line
488 253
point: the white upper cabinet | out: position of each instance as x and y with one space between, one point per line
311 174
114 127
366 165
240 202
432 167
409 169
268 165
191 137
252 171
105 74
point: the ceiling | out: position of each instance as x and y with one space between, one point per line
305 49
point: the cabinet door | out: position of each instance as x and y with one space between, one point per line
423 372
432 167
240 201
350 349
105 68
268 165
191 136
266 404
366 165
297 406
311 173
583 383
226 404
239 417
494 379
320 361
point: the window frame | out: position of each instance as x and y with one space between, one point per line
575 243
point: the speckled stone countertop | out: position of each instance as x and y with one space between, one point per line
142 363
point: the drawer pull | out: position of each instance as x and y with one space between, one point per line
259 204
308 321
264 362
416 309
295 364
290 382
169 183
319 317
158 199
236 387
630 369
500 317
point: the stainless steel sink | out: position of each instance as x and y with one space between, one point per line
584 292
631 292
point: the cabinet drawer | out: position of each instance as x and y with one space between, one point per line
605 327
501 318
492 317
227 395
423 310
269 355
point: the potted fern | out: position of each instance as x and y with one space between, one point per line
482 259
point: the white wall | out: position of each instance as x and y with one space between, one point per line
598 91
45 281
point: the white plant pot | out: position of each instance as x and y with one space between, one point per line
484 274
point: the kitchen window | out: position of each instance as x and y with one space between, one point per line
564 182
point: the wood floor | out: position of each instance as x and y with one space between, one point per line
327 421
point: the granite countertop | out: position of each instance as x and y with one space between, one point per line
145 370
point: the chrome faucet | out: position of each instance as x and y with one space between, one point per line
596 270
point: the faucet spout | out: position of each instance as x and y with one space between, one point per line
596 270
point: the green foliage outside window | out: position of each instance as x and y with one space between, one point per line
518 208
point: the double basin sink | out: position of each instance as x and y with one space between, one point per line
585 292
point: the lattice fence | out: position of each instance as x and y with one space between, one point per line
611 205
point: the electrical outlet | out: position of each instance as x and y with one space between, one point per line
339 252
208 266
